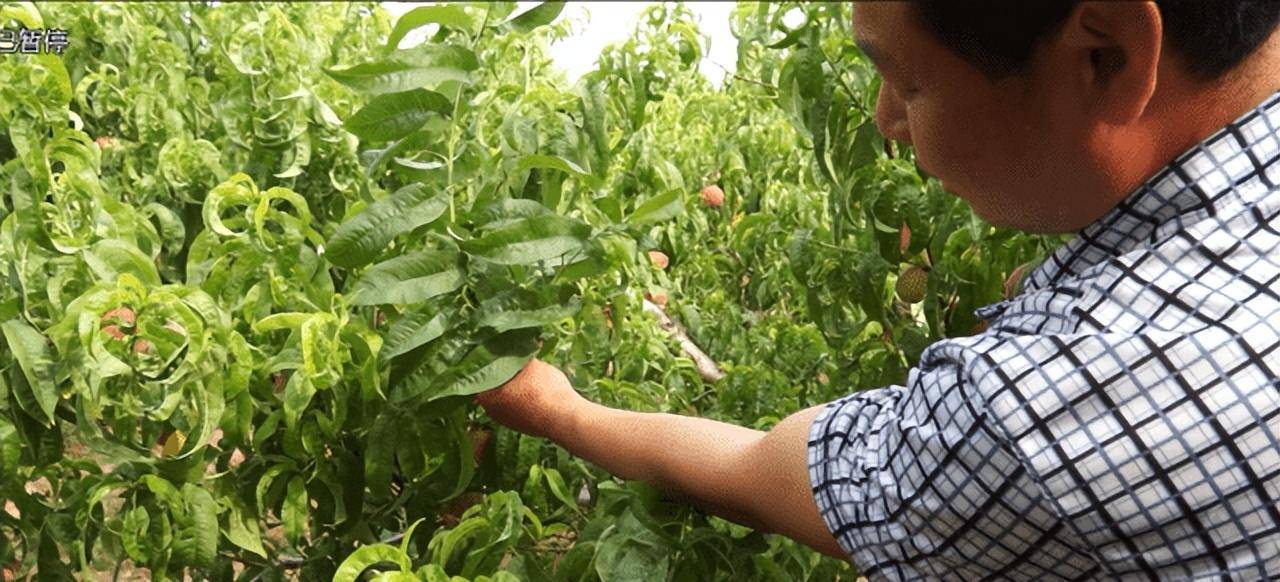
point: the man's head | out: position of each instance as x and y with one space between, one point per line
1043 114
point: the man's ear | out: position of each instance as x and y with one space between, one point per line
1113 50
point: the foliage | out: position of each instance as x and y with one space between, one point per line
258 257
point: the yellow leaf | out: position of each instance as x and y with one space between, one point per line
173 444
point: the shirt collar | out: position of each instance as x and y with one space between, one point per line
1200 183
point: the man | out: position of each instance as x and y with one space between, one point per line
1121 415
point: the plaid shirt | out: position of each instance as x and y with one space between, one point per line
1119 418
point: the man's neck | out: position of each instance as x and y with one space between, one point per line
1184 112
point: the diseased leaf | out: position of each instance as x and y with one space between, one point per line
108 258
133 535
31 350
277 321
368 556
298 392
592 100
195 542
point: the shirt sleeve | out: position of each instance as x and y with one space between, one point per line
914 483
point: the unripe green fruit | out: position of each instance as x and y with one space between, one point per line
912 284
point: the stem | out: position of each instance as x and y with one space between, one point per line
454 133
853 95
707 368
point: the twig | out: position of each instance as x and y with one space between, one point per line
745 79
707 368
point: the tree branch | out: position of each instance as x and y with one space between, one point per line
707 368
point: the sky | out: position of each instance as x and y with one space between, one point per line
609 22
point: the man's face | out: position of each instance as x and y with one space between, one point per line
1007 147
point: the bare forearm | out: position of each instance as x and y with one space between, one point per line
748 476
694 458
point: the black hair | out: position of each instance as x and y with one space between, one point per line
998 36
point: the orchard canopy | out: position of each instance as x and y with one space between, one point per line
255 259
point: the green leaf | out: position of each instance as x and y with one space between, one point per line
809 74
632 553
540 15
659 208
421 66
448 15
549 162
408 535
530 240
449 56
867 144
294 512
488 365
31 350
368 556
380 451
395 115
242 530
458 537
502 321
359 240
506 211
818 115
556 483
413 330
376 159
387 77
411 278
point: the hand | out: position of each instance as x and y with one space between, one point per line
538 401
